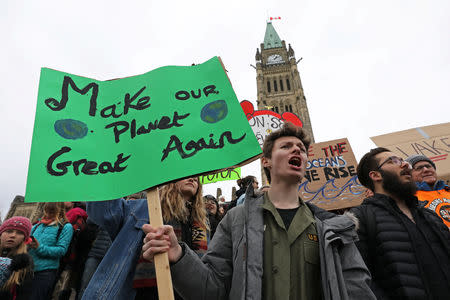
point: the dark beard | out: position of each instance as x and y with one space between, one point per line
402 190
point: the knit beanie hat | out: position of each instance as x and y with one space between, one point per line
413 159
19 223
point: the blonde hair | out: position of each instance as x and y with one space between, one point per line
18 276
173 205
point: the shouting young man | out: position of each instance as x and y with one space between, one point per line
274 246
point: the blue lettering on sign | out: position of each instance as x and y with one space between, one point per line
337 161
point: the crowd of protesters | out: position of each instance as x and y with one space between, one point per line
266 243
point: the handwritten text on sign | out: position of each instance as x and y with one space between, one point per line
436 146
331 176
263 122
229 174
126 135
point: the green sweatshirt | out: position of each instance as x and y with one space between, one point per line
291 258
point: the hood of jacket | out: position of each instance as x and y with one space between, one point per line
439 185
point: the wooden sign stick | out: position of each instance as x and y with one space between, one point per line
163 277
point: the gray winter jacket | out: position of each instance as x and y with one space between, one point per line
233 266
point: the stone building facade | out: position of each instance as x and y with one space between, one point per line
32 211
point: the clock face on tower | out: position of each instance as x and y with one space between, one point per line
274 59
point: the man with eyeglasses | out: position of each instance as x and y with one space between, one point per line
433 193
405 246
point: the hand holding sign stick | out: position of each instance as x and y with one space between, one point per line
163 278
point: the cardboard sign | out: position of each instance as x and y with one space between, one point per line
263 122
229 174
99 140
330 180
432 141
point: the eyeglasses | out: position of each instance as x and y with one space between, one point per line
395 160
421 167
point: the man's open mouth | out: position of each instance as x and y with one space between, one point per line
295 161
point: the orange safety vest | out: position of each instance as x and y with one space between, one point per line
437 201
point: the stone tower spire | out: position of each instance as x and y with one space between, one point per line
279 86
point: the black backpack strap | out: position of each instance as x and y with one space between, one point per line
34 229
60 228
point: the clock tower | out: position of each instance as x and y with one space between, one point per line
279 87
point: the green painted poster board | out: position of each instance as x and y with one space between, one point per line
100 140
229 174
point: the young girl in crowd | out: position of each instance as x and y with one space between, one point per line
14 237
214 216
51 239
123 274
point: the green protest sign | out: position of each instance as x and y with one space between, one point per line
99 140
229 174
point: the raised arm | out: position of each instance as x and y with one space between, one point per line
108 214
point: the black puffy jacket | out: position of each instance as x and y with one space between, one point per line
101 244
387 248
